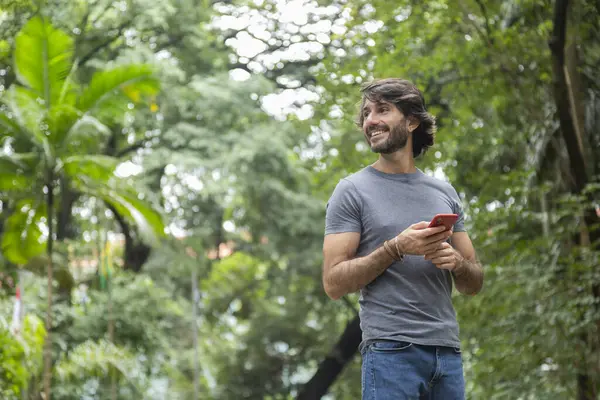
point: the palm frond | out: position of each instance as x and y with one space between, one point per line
148 221
91 169
17 172
26 113
94 175
87 135
134 81
24 110
67 93
43 58
60 120
23 237
29 115
8 126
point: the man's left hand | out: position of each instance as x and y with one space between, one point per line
445 257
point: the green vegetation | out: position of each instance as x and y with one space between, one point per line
164 170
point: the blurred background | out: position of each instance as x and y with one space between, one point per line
165 166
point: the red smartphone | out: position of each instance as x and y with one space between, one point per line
448 220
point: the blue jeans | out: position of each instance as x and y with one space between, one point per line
402 371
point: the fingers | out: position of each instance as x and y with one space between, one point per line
420 225
433 231
438 237
431 250
442 260
443 250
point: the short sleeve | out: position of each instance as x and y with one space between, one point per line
343 213
457 209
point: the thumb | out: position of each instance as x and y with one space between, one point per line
420 225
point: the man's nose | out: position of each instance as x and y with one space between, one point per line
371 119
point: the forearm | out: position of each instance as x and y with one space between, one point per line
351 275
468 277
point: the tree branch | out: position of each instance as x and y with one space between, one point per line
136 253
101 14
334 363
487 21
104 44
561 95
349 304
133 147
84 20
480 32
566 107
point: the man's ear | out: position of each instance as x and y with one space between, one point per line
413 123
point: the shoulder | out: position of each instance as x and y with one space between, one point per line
354 181
441 185
358 178
348 189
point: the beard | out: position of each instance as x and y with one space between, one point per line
396 140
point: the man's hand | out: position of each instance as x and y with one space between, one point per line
445 257
418 239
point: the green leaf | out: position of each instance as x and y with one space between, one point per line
97 359
94 175
85 136
43 58
26 112
61 119
17 171
147 220
134 81
8 126
23 238
91 170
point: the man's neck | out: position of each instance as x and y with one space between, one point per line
399 162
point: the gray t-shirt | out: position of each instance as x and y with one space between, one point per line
411 300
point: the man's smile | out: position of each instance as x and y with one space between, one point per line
376 133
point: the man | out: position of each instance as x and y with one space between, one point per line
377 240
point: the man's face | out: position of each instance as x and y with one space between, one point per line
384 127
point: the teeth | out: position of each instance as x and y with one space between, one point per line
376 133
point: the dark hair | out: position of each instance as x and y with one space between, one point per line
409 100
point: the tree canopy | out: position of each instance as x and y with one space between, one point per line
165 168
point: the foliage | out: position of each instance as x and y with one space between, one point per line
241 177
47 115
89 367
473 62
21 357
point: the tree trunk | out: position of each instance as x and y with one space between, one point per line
334 363
136 253
570 112
49 250
571 134
64 222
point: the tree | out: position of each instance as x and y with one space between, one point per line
473 61
571 113
52 132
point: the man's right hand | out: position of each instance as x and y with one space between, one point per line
418 239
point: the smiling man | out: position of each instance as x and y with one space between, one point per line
377 240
